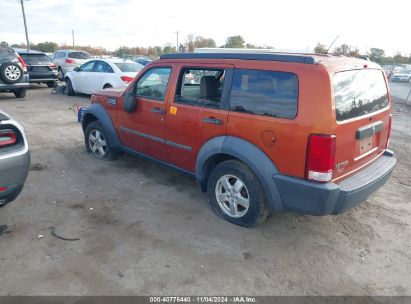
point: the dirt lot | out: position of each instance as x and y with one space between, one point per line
145 229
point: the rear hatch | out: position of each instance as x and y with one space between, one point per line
363 116
38 63
78 58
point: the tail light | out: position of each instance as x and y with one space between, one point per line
127 79
7 138
2 189
52 65
22 63
389 132
320 157
70 61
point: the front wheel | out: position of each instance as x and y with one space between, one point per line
69 88
97 142
235 194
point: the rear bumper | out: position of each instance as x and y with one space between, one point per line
13 174
333 198
43 76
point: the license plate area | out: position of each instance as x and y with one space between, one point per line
366 144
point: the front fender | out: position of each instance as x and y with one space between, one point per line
248 153
97 112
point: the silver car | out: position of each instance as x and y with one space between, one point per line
67 60
14 159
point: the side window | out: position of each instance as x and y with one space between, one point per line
102 67
153 84
87 67
58 55
265 93
200 86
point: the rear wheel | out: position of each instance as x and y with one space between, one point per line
20 93
236 195
61 73
11 72
97 142
69 88
107 85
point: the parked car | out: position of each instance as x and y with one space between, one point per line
40 67
402 76
14 159
143 61
13 73
260 132
67 60
95 75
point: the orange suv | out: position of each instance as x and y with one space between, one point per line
261 132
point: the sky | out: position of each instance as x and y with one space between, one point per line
291 24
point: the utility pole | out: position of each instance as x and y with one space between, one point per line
72 34
177 49
25 25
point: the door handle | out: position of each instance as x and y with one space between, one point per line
157 110
212 120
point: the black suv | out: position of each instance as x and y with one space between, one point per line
40 67
13 73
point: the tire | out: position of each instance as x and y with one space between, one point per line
100 146
11 72
107 85
20 93
69 88
61 73
50 84
231 204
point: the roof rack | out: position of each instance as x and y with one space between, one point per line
267 56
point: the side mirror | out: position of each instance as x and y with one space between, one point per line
76 69
130 103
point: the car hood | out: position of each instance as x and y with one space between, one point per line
111 92
401 75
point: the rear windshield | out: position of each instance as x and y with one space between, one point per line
79 55
33 59
358 93
126 67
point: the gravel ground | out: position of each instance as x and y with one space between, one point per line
145 229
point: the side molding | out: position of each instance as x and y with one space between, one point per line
104 119
257 160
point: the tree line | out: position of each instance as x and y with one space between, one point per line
192 42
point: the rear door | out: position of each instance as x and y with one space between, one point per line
363 116
198 111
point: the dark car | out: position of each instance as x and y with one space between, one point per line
143 60
13 72
40 67
14 159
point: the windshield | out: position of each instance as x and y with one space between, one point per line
79 55
33 59
127 67
359 92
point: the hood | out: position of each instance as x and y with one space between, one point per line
111 92
401 75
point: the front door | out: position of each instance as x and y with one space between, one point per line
143 130
82 75
198 111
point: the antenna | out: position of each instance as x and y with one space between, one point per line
332 43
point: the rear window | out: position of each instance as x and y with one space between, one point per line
79 55
266 93
358 93
33 59
128 67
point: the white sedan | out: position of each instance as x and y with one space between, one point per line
98 74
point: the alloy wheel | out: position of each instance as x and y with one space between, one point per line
232 196
97 143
